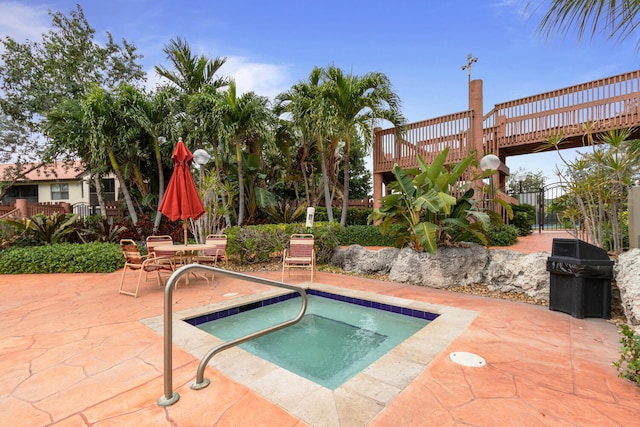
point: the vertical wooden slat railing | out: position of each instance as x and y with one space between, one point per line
602 105
427 138
45 209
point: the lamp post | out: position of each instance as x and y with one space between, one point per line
201 157
490 162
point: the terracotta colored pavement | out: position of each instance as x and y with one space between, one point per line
74 353
537 241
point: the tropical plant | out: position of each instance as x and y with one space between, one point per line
629 363
245 120
596 184
423 202
524 217
45 229
311 120
191 72
212 193
102 134
286 211
105 230
38 76
612 17
356 102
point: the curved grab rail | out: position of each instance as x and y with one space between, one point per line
170 397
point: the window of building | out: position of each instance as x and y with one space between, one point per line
109 188
28 192
59 191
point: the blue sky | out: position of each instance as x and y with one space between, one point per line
419 45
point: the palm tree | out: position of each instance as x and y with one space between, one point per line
95 129
242 120
306 107
613 17
205 108
357 101
106 126
191 72
65 127
157 116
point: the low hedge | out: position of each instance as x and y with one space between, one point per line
364 235
62 258
260 243
355 216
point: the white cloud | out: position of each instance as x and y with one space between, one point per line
264 79
22 22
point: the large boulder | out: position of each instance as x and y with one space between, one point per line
501 270
449 267
627 276
358 259
511 271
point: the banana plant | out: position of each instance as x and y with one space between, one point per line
45 229
424 212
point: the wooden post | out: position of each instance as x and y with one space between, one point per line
21 205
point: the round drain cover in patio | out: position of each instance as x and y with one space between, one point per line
467 359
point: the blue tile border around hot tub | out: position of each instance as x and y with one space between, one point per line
405 311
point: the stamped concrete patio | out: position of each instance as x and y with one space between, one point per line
75 353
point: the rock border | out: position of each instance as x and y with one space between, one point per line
501 270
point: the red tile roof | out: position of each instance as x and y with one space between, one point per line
57 171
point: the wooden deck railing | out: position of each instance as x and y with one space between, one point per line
519 126
426 138
46 208
598 106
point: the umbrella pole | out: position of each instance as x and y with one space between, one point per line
184 226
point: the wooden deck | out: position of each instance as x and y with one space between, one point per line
521 126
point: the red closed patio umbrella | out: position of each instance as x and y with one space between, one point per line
181 199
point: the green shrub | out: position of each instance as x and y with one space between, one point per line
257 243
355 216
326 240
99 229
499 235
364 235
144 228
260 243
629 363
524 217
502 235
62 258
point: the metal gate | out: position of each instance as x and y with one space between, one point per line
547 214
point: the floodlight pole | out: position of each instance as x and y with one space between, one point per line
470 60
491 163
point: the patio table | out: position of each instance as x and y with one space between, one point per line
189 252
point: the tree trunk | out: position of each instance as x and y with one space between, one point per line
97 182
156 222
306 184
345 189
325 183
240 184
123 186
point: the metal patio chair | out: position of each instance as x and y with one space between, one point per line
300 254
133 260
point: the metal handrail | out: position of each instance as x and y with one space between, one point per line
170 397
